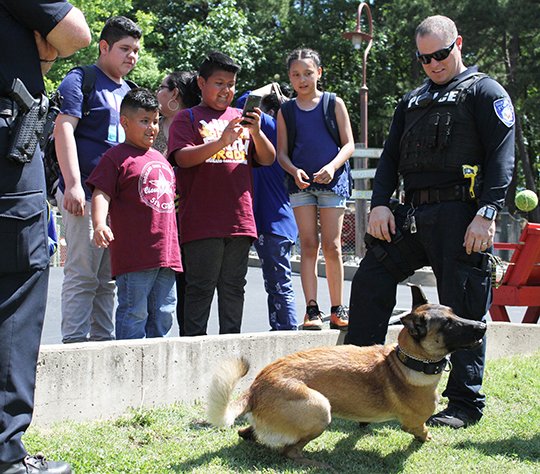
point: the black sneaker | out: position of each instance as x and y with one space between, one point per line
35 465
313 319
452 417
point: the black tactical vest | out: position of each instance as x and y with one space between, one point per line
440 131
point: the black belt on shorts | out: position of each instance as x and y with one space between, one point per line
435 195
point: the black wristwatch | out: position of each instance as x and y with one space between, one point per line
487 212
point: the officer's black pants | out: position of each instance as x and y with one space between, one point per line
24 260
22 308
461 284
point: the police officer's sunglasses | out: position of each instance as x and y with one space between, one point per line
439 55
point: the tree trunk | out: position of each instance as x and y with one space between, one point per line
512 58
534 215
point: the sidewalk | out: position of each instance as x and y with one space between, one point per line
255 309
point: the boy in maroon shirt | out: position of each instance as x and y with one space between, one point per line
135 185
215 155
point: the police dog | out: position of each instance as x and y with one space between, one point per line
292 400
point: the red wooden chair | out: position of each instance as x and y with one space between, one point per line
521 283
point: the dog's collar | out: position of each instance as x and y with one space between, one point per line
425 366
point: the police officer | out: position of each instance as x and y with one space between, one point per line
33 33
452 142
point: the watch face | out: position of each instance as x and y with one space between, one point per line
489 213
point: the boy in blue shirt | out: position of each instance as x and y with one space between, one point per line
84 130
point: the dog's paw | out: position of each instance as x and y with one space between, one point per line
423 436
247 433
420 433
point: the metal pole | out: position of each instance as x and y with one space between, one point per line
361 207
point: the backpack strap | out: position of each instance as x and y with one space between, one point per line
329 111
287 110
131 84
192 119
88 84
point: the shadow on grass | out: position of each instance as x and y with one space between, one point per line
526 449
352 460
343 455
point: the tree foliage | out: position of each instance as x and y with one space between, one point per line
226 29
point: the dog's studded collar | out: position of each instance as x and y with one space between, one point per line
427 367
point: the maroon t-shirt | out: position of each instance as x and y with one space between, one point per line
216 197
141 185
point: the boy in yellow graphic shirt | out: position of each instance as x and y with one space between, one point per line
215 155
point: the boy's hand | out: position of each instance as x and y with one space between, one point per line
232 131
325 175
301 179
254 121
74 200
103 236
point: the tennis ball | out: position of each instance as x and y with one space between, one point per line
526 200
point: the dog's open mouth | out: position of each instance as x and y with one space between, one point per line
474 344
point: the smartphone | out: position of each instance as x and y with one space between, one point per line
251 102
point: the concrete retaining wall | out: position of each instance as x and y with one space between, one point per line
101 380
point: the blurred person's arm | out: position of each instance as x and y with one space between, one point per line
70 34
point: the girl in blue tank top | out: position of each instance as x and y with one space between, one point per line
317 163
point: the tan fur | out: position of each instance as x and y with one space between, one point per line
292 400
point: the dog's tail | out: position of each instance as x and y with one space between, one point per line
221 411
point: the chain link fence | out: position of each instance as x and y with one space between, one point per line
508 230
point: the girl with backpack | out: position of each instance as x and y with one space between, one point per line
315 142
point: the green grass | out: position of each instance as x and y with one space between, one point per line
177 440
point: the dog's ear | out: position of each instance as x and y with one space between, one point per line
416 325
418 296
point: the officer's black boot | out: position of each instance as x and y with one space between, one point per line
35 465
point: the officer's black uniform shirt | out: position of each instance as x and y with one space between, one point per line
496 138
19 56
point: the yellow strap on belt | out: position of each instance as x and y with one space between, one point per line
470 171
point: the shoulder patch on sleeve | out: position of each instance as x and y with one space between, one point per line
505 111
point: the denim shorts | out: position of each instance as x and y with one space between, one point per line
319 198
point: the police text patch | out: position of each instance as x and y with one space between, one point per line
505 111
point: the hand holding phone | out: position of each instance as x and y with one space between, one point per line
252 101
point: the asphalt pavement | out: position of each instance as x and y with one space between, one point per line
255 308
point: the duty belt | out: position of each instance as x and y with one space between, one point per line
435 195
6 106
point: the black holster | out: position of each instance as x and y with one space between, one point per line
399 270
26 132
